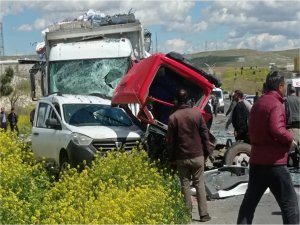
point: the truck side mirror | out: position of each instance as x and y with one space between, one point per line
53 123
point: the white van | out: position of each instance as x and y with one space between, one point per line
219 94
70 129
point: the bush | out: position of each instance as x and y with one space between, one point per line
24 124
119 188
23 181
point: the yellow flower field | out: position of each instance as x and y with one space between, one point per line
119 188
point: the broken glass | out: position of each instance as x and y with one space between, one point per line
87 76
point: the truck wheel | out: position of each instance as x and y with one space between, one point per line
238 154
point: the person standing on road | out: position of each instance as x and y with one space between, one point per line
271 142
215 103
293 113
240 115
188 147
13 120
3 119
255 97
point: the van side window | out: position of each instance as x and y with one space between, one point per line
42 114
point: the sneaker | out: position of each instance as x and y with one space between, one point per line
205 218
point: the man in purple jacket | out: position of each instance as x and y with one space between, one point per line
188 146
270 142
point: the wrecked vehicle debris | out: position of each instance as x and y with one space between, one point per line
152 84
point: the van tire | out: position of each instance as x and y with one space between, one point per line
64 163
238 154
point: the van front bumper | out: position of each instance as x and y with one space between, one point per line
79 153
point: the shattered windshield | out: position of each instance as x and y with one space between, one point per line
86 76
95 115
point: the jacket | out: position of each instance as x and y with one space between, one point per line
293 111
240 115
13 118
269 137
187 135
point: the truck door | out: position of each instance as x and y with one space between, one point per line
44 138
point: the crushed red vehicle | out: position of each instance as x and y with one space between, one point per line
152 85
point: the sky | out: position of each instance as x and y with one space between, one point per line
182 26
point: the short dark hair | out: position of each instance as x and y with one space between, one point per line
239 93
273 80
181 96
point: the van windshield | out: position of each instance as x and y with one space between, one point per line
218 94
95 115
86 76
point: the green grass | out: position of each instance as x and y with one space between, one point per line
249 81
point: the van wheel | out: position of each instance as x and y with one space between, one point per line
64 164
238 154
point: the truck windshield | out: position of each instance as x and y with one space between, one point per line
86 76
95 115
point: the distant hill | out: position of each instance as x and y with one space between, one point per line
245 57
227 64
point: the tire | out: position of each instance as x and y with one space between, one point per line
64 163
238 154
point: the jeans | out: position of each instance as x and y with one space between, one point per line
278 179
193 168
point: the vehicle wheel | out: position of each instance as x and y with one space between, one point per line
157 147
238 154
64 164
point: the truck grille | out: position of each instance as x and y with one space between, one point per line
117 144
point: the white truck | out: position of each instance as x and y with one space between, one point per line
83 64
81 58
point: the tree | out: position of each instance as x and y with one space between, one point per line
5 82
22 88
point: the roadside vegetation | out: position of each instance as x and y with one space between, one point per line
119 188
247 79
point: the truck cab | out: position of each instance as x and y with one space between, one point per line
88 67
152 84
80 58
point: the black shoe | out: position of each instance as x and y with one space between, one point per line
205 218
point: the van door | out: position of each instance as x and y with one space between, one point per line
44 138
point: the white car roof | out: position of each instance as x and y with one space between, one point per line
76 99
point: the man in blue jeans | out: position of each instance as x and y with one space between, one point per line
270 142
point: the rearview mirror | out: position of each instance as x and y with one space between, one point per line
53 123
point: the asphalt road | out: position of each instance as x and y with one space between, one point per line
225 211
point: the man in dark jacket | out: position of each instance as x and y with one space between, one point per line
13 120
188 146
239 118
293 112
270 142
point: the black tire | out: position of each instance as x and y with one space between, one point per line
238 154
64 163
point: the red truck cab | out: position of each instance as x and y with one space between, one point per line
153 82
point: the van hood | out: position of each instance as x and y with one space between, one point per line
103 132
144 83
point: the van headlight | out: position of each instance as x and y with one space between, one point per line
81 139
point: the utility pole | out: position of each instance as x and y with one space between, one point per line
1 40
155 42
